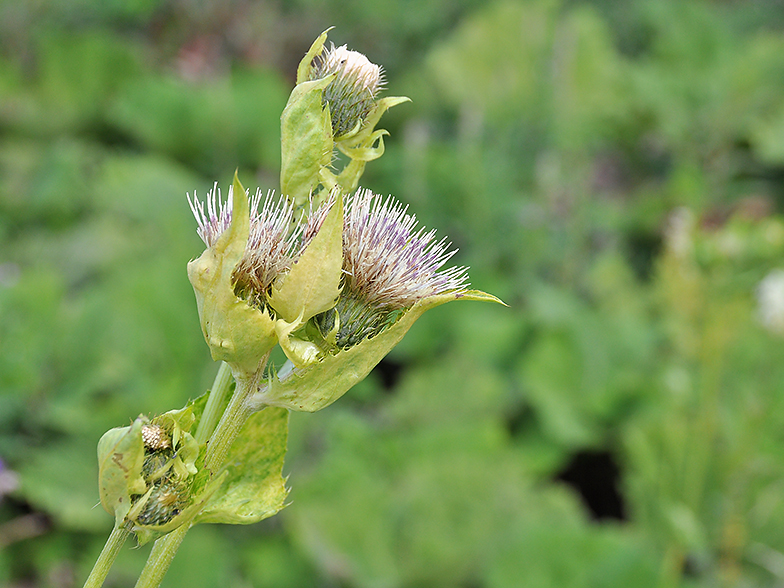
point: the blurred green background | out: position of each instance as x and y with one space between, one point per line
614 170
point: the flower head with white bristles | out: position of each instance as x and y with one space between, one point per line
272 243
389 264
336 290
351 94
388 260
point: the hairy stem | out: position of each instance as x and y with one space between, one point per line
161 556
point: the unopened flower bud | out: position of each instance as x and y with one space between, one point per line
351 94
163 504
155 438
333 106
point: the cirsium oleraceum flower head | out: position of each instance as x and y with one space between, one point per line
392 272
389 260
389 264
339 290
272 244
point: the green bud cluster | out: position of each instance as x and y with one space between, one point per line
165 476
146 472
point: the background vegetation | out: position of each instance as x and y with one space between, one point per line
613 170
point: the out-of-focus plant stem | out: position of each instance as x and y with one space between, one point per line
105 560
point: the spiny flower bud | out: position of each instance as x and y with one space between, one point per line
155 438
157 465
333 106
163 504
351 94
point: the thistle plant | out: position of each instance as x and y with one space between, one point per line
332 273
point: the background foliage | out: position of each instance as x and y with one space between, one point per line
613 170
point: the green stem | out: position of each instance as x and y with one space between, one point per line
220 387
109 553
232 421
229 426
161 556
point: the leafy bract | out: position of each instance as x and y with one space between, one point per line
235 331
319 384
178 424
306 63
253 488
365 145
120 460
312 285
305 139
358 145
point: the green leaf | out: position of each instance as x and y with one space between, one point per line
120 460
318 385
235 331
305 140
254 488
312 285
